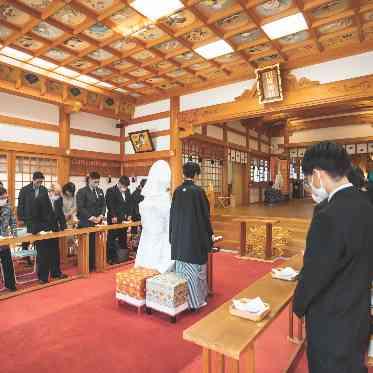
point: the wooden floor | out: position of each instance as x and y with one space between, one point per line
299 209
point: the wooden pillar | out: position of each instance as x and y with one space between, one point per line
11 166
248 166
243 238
225 164
122 148
83 255
176 146
63 173
268 248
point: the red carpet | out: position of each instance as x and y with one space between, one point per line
77 327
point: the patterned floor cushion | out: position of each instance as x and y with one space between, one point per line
131 285
167 293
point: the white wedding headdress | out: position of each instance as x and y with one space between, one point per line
158 181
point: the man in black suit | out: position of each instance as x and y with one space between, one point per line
333 292
119 205
26 199
47 215
91 208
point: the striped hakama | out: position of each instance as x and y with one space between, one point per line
196 276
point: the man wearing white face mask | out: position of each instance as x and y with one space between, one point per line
333 292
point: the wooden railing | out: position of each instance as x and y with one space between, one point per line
82 250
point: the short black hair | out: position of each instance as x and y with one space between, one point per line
270 183
356 177
94 175
38 175
124 180
69 187
191 169
2 191
327 156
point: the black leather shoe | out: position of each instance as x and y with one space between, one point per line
60 276
43 282
12 288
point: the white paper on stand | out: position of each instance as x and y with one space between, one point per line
285 273
255 305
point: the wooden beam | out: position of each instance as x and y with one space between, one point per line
176 145
355 140
96 135
317 95
28 123
162 154
76 153
148 118
306 124
30 148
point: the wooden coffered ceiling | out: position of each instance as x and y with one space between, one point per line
110 41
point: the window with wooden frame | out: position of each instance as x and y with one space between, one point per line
210 159
4 170
295 171
27 165
293 165
259 170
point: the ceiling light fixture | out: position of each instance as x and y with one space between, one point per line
105 85
16 54
215 49
285 26
87 79
121 90
157 9
66 72
39 62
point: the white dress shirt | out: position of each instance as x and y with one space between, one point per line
344 186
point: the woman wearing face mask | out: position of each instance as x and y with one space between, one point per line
7 228
69 204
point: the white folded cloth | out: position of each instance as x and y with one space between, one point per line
286 273
44 232
255 305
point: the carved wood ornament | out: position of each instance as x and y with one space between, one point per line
299 94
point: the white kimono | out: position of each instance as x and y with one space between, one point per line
154 250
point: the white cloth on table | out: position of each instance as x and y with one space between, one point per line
154 250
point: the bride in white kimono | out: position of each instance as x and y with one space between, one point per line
154 251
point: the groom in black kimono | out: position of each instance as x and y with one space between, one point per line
333 292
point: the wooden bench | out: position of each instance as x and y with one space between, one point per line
228 342
269 223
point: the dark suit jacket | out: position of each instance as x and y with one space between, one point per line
116 205
334 286
190 226
45 217
89 204
137 198
25 202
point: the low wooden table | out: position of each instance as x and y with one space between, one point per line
227 341
269 223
